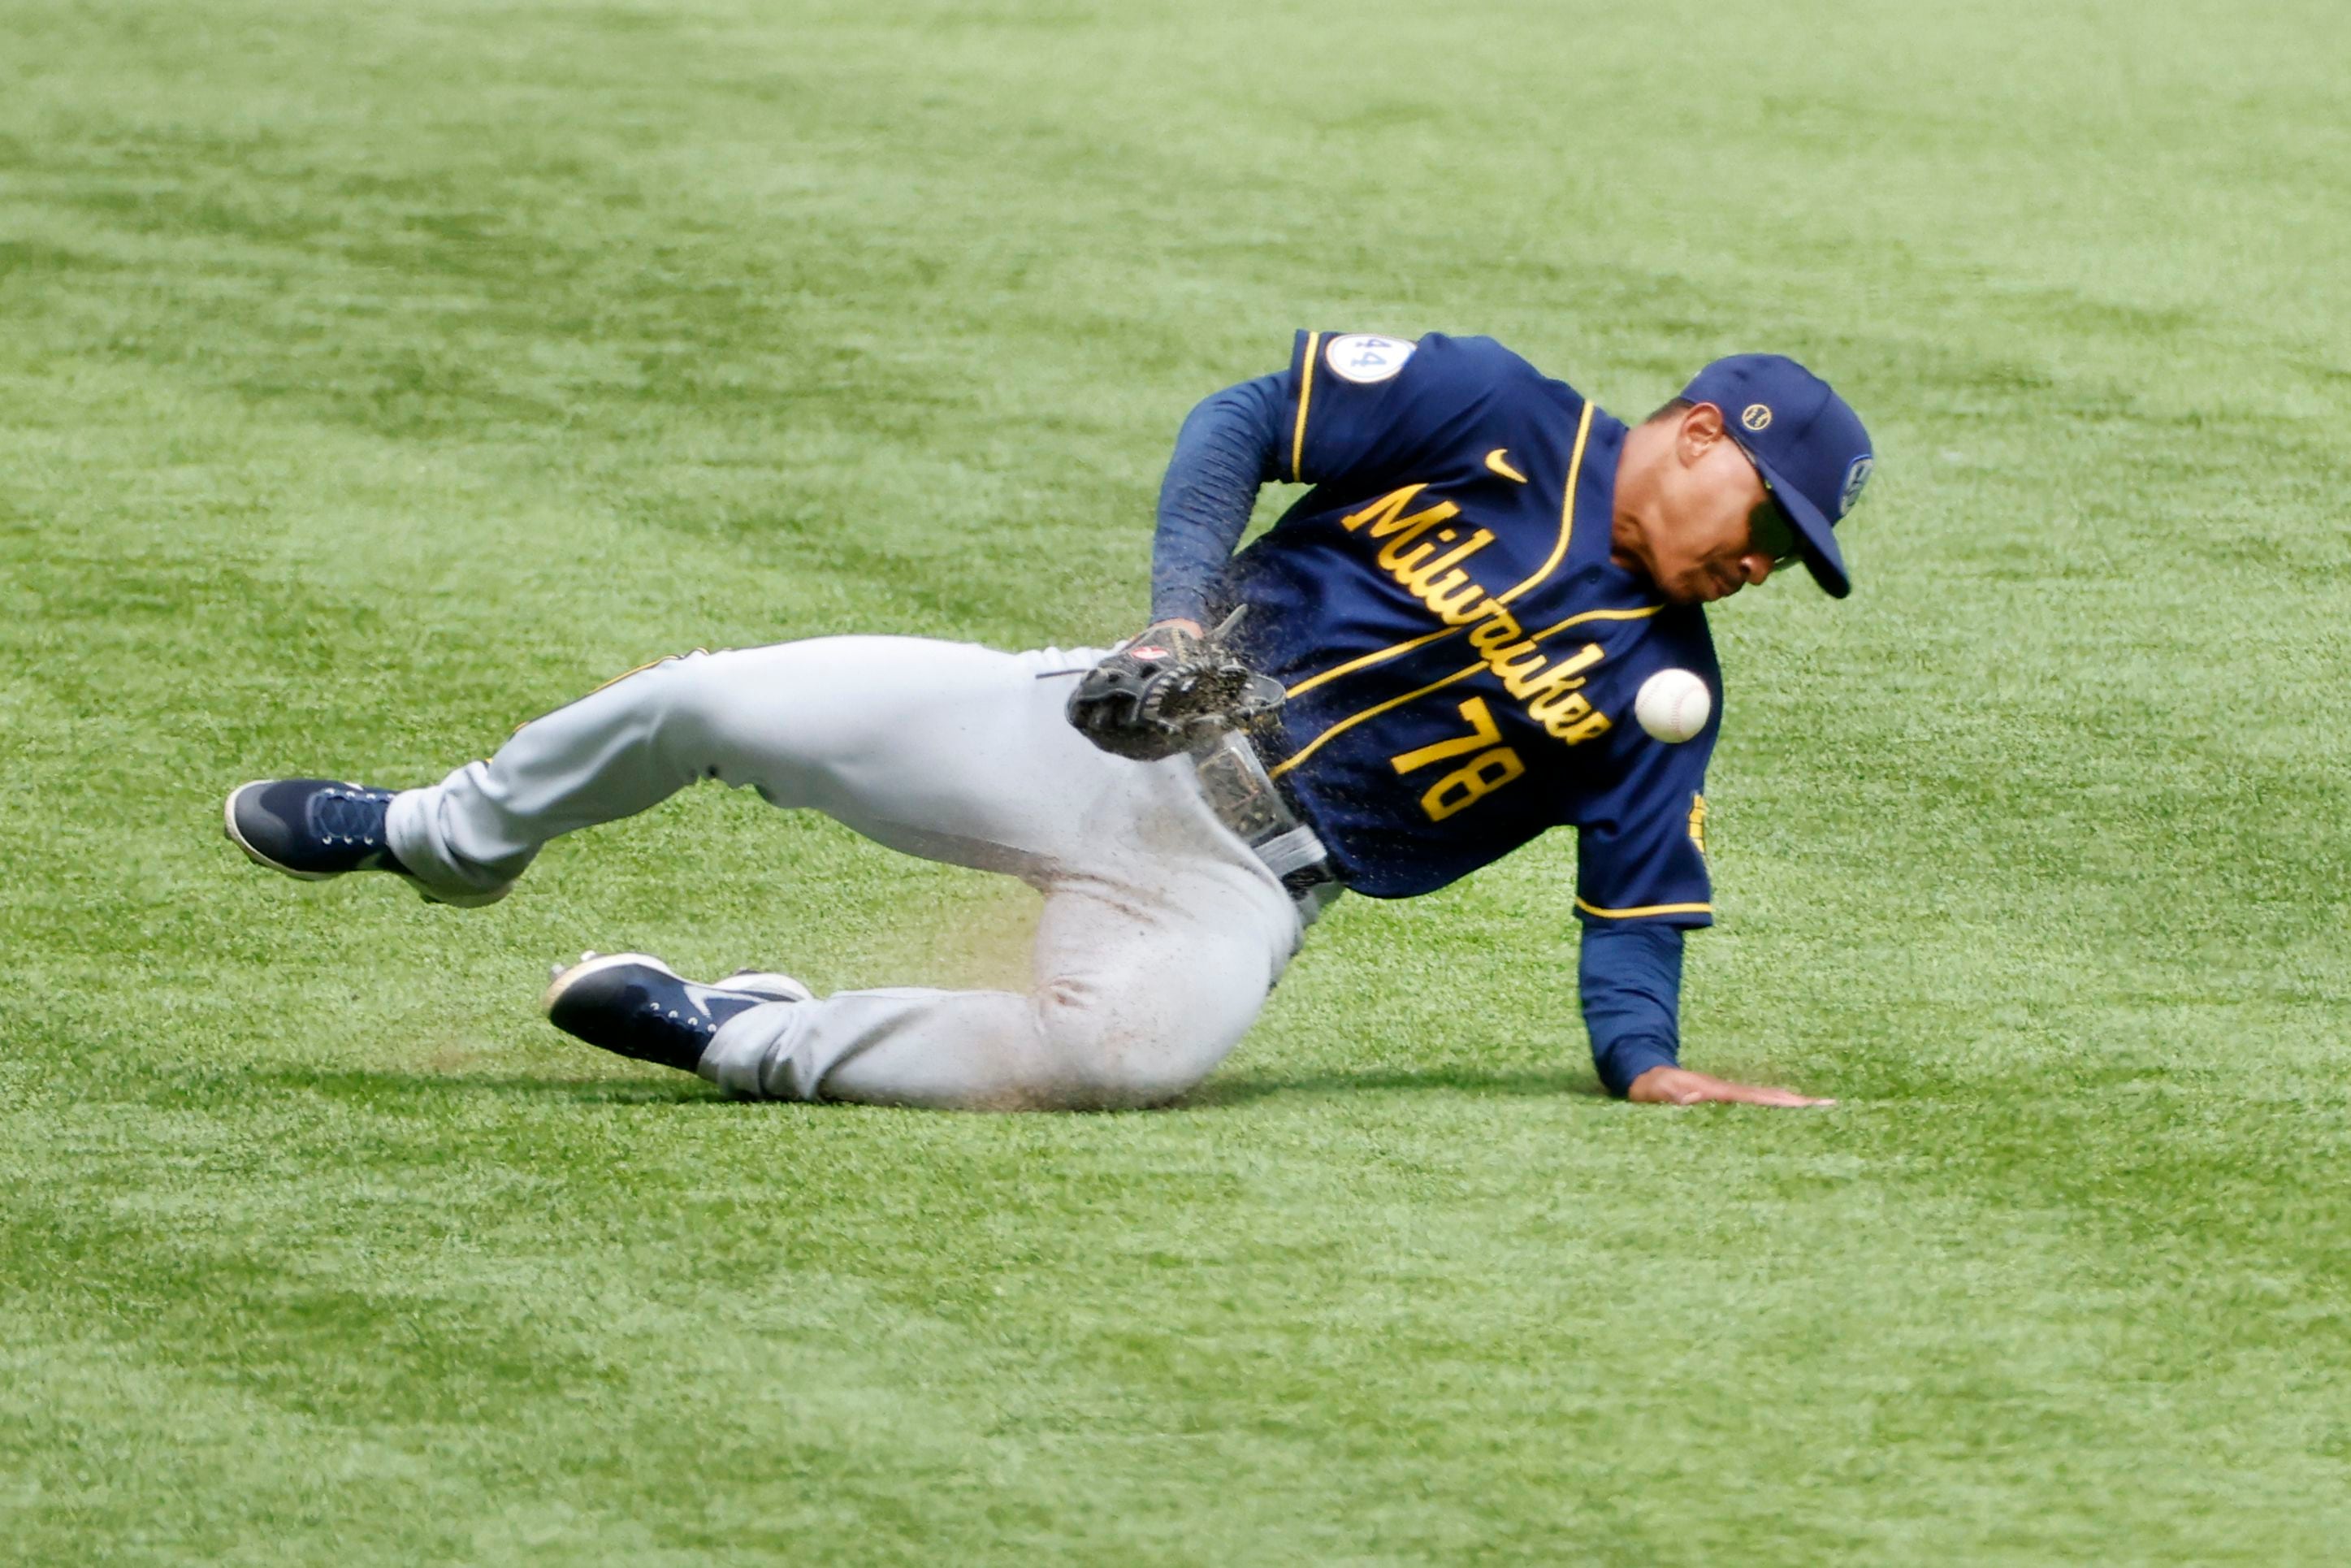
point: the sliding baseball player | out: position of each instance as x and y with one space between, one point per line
1434 657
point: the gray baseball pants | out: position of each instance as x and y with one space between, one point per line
1161 933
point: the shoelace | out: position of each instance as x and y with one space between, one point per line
697 1018
351 816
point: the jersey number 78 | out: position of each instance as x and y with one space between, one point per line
1493 766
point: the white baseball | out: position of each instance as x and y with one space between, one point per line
1672 705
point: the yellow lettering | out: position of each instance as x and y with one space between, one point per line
1558 700
1388 507
1527 682
1500 627
1454 598
1550 684
1517 664
1399 559
1583 659
1471 782
1424 560
1552 680
1560 712
1387 514
1483 731
1500 659
1416 578
1576 734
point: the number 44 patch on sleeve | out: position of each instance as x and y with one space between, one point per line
1364 357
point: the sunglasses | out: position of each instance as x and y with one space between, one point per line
1768 529
1771 535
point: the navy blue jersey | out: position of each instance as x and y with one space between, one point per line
1461 654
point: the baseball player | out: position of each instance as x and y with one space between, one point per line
1431 659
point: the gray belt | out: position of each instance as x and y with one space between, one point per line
1244 797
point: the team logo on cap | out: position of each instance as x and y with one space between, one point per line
1757 417
1854 478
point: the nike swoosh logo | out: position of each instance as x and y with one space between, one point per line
1497 460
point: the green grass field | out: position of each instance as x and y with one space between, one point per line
374 378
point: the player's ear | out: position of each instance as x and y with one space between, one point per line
1701 429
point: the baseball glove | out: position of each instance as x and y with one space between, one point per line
1169 690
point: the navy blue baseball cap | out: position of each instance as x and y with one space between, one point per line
1804 440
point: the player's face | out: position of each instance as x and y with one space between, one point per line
1714 529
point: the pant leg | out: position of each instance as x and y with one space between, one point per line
1161 934
943 749
1138 997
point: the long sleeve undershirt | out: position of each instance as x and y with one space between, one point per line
1229 445
1630 976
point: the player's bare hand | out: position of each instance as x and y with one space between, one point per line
1680 1086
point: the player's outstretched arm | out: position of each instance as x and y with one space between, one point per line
1632 983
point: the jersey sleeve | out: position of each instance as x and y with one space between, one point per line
1641 852
1364 407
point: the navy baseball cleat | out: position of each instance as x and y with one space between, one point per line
314 829
635 1005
